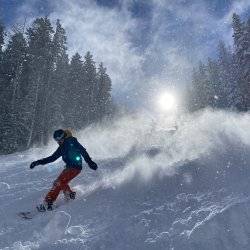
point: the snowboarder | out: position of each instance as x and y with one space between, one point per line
71 151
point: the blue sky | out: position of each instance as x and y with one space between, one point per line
147 45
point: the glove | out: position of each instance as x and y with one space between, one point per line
93 165
33 164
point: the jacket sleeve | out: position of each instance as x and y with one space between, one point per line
51 158
83 152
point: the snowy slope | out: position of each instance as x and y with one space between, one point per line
153 190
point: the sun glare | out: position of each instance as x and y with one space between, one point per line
167 102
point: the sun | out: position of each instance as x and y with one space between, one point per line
167 101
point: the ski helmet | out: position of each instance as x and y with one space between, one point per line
58 134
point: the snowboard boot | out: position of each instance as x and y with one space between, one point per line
46 206
49 205
72 195
69 196
41 208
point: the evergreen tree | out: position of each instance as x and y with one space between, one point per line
104 87
230 88
59 46
90 87
2 73
59 79
245 61
238 35
2 34
238 30
75 104
41 66
13 67
14 57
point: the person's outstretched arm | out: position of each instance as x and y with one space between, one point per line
86 156
46 160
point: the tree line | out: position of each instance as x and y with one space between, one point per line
224 82
41 89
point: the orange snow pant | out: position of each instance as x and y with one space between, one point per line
61 183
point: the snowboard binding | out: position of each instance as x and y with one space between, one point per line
45 207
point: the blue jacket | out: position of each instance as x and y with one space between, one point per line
70 151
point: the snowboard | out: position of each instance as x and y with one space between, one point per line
30 214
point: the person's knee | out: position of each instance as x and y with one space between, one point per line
57 183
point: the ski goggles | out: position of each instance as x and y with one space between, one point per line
59 138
